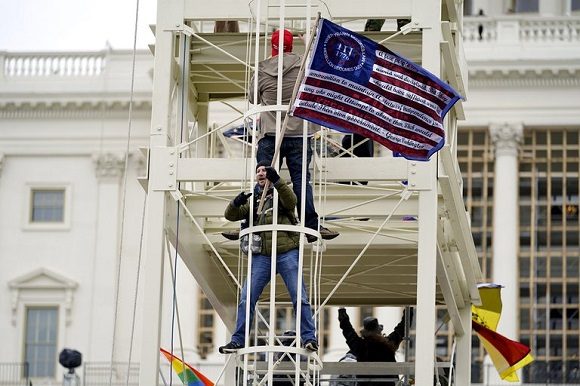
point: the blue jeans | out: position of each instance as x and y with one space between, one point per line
287 267
291 149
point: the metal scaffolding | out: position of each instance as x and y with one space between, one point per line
384 260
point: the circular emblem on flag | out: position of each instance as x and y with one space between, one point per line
343 52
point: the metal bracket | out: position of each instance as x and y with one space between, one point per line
163 168
144 179
410 27
181 28
176 194
420 176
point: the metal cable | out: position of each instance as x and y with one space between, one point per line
124 190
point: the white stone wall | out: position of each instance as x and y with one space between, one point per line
71 130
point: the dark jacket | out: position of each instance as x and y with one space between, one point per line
373 347
286 205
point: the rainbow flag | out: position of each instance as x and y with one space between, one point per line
507 355
188 375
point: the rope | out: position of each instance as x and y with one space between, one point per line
360 255
124 193
174 289
316 270
200 229
175 305
133 318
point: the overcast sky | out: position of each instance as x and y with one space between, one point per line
72 25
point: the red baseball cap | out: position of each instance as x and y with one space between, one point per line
287 42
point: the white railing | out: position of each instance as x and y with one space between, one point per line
521 29
52 64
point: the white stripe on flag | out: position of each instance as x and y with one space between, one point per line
382 99
404 93
371 110
412 82
362 123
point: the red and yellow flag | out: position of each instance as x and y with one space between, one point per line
507 355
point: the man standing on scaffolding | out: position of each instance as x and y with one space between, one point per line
291 146
261 245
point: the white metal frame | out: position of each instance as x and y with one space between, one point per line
175 102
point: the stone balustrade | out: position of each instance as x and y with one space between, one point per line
509 29
52 64
521 29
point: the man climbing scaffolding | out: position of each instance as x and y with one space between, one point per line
291 146
286 251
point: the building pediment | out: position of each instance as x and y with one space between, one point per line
42 286
42 278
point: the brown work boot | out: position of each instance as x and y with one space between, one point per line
327 234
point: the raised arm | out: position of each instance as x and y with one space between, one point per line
396 337
239 208
285 194
354 342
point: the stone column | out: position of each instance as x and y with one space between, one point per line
506 139
109 169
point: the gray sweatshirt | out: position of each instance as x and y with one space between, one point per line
267 92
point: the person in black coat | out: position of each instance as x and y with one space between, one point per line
372 345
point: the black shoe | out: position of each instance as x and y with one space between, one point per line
327 234
231 235
230 348
311 346
311 238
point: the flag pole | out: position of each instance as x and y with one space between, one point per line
299 78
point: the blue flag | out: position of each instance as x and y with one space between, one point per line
355 84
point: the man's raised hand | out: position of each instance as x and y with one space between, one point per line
241 199
272 174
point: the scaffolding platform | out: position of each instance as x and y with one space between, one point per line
404 238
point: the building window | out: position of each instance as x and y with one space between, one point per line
526 6
548 242
549 166
206 326
40 341
575 5
468 8
47 205
42 306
